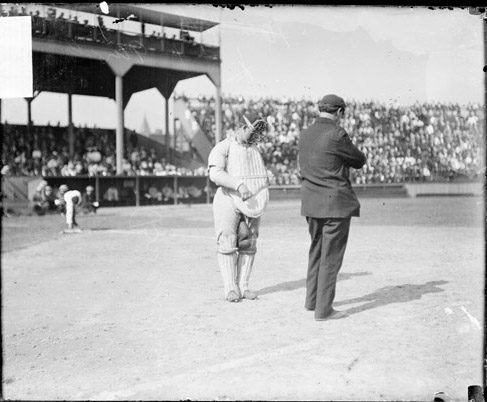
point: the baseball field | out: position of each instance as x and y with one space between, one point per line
132 308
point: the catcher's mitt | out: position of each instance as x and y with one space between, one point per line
252 133
243 235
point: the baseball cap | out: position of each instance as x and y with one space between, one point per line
331 103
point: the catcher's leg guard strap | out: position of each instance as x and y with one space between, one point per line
251 247
244 269
228 270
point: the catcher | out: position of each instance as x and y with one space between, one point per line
236 166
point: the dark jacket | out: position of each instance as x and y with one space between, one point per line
325 157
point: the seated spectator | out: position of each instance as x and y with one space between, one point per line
153 195
167 193
195 192
182 194
44 200
111 194
89 203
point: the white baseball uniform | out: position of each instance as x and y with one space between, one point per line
231 164
70 207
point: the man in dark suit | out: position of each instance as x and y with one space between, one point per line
326 154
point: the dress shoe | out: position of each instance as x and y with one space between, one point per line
249 295
335 315
232 297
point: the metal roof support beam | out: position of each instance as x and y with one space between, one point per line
120 122
29 111
167 141
120 67
166 91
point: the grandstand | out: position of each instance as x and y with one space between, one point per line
423 143
79 50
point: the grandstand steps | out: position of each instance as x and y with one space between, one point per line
157 142
15 188
192 131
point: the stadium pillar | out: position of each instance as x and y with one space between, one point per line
29 116
70 125
167 141
218 114
119 68
120 121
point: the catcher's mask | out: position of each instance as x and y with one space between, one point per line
253 133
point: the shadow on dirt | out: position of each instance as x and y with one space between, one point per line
293 285
390 295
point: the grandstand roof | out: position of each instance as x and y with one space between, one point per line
140 14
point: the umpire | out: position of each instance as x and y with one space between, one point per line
328 201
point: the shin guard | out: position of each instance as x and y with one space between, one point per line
228 270
244 269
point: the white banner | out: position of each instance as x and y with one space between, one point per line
16 80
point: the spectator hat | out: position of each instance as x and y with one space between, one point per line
331 103
63 188
90 188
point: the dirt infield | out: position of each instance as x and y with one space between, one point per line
133 309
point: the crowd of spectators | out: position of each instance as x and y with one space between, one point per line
45 152
422 142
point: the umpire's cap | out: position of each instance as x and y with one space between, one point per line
331 103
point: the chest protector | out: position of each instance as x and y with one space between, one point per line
246 163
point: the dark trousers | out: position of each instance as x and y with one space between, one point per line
329 237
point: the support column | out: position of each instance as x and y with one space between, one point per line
70 125
29 111
218 114
167 141
29 116
120 121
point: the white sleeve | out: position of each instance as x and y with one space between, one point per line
217 163
222 178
